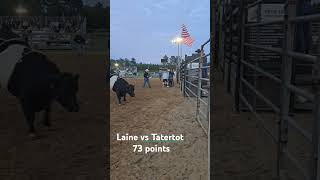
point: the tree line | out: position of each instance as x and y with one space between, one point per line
125 62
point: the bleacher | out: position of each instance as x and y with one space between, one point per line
51 41
43 30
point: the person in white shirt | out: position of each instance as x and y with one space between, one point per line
165 78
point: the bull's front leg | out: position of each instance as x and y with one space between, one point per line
124 97
119 98
30 116
46 119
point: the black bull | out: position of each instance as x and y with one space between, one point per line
121 87
37 83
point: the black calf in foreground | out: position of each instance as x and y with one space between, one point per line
36 82
122 87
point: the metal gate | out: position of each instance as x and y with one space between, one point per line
248 70
195 85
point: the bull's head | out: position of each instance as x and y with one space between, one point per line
65 90
130 90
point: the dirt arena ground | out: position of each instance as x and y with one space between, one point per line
157 110
76 148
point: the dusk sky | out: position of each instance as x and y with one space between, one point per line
143 29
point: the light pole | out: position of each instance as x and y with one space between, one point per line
117 68
178 41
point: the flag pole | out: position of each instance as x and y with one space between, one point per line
181 49
177 64
181 52
178 50
180 58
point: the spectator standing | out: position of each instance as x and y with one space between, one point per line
171 74
146 78
165 78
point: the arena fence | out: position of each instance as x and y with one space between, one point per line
246 55
50 40
195 86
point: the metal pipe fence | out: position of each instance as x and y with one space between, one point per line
237 64
195 85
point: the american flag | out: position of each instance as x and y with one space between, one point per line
186 36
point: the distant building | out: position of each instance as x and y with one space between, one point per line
194 64
164 60
192 57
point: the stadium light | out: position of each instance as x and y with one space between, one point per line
21 10
116 64
177 40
